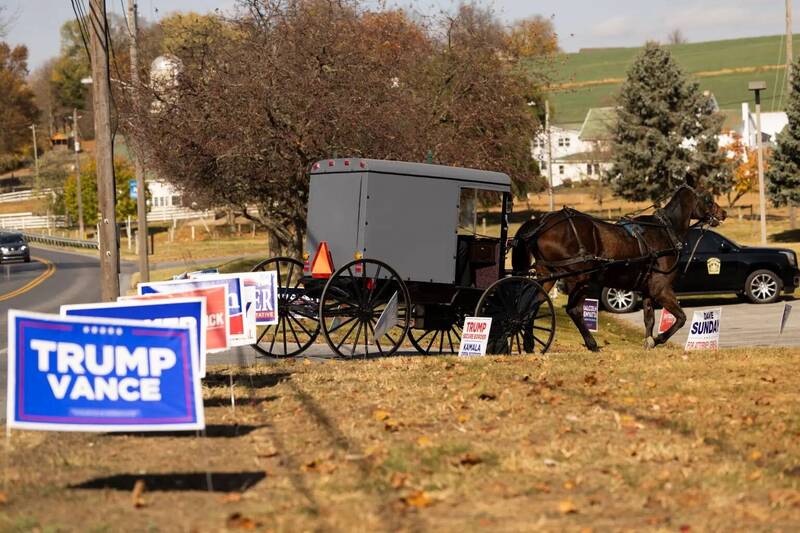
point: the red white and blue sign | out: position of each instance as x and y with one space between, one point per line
265 286
90 374
235 295
190 312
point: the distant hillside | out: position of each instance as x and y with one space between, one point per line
591 77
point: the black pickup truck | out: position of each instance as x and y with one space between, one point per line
721 266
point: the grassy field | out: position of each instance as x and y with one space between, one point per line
573 441
723 67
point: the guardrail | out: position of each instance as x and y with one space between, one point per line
59 241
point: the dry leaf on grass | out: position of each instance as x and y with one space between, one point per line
318 466
391 424
417 499
424 442
755 455
233 497
590 379
542 487
469 459
567 507
399 479
3 498
487 396
239 521
380 415
137 495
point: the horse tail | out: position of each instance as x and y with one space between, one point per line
523 246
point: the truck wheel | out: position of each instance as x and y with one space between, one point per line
763 287
619 300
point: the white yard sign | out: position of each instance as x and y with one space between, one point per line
704 330
474 336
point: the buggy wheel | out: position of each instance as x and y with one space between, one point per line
523 319
444 340
364 309
298 325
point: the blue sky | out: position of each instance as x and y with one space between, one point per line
580 23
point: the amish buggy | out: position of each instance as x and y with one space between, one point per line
392 252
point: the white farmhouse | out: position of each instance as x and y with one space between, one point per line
577 153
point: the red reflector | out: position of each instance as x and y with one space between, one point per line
330 163
347 162
357 268
322 266
371 284
362 164
316 166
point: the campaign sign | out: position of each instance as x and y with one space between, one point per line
667 319
217 323
475 336
92 374
234 284
591 308
246 299
266 295
190 312
704 330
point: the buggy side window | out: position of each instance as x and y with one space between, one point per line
479 212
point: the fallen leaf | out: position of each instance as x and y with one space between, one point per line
487 396
469 459
550 462
3 498
424 442
239 521
137 495
755 475
233 497
380 415
755 455
390 424
399 479
418 499
463 418
567 507
542 487
317 466
569 485
590 379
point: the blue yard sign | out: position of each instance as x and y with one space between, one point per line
189 312
90 374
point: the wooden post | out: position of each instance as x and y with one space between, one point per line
128 232
104 154
192 231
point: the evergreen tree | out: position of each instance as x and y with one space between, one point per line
783 175
666 131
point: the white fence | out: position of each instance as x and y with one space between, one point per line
23 221
163 214
19 196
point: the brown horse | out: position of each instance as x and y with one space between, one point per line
638 253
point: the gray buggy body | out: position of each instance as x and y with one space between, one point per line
405 214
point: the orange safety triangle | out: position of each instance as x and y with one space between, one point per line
322 266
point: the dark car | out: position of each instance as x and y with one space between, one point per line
721 266
14 246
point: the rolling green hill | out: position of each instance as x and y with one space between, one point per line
591 77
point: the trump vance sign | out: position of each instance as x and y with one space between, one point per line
90 374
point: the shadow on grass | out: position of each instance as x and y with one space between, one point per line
789 235
172 482
226 402
257 381
213 431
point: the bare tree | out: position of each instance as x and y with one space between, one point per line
259 98
676 36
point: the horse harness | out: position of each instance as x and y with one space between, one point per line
633 228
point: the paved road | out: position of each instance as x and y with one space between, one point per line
743 324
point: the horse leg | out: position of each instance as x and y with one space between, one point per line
669 302
649 322
575 311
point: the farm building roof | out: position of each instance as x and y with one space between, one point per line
337 166
598 123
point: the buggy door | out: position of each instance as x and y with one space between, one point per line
335 207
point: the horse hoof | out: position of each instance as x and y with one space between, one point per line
649 343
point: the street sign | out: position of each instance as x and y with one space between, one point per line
90 374
190 312
133 189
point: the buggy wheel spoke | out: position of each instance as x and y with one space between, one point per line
275 335
342 324
285 350
450 340
428 349
377 342
346 336
441 341
294 334
355 341
263 333
301 326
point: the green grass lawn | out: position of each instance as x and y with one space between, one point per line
612 64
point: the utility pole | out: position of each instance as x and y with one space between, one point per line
79 190
141 187
104 152
757 87
789 61
549 154
35 157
